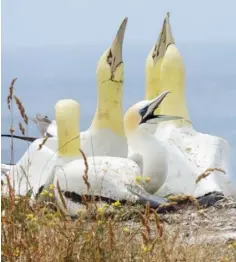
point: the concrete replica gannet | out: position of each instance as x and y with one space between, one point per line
201 151
106 134
110 178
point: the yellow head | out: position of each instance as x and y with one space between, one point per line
143 112
67 115
154 61
110 77
173 79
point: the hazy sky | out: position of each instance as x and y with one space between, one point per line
73 22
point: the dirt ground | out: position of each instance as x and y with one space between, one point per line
211 225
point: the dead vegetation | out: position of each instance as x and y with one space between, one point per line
33 231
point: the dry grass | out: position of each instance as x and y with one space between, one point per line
33 231
40 232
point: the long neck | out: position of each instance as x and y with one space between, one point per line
109 113
154 159
153 81
173 79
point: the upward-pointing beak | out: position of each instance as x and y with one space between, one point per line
149 116
164 40
169 37
116 48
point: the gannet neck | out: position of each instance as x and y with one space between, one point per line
109 113
67 115
110 78
153 65
173 79
154 158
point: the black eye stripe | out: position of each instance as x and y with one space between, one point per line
143 111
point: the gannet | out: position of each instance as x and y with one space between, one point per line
201 151
109 177
106 134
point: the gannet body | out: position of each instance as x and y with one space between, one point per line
200 151
111 178
106 136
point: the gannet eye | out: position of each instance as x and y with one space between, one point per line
109 58
143 111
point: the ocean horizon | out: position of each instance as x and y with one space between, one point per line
46 74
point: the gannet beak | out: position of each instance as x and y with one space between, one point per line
115 55
169 37
164 40
160 46
148 112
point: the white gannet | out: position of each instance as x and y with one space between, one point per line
201 151
109 177
105 136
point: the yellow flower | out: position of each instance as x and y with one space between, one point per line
147 179
105 206
147 248
30 216
51 186
44 193
139 179
16 252
116 204
232 245
99 222
126 229
50 195
100 210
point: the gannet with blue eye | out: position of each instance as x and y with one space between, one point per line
201 151
111 178
106 134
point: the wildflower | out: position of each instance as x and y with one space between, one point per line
146 248
126 229
99 222
51 186
101 210
16 252
139 179
105 169
30 216
147 179
105 206
50 195
44 193
116 204
232 245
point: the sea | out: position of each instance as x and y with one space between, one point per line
46 74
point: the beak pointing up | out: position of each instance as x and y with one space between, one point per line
115 57
149 117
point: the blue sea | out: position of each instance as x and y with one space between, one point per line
49 73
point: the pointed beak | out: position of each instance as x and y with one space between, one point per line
149 116
116 48
164 40
169 37
160 46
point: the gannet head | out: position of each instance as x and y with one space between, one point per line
67 115
154 60
110 65
143 113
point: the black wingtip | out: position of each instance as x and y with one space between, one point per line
24 138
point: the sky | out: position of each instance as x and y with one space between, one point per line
91 22
40 41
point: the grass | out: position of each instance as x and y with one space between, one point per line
41 231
